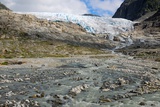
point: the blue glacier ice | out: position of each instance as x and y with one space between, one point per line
92 24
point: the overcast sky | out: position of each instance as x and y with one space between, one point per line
99 7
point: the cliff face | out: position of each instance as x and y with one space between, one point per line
151 23
3 7
146 38
155 17
134 9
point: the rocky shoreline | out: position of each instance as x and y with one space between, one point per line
112 81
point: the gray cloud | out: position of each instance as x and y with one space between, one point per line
102 7
59 6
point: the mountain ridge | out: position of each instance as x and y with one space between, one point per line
2 6
134 9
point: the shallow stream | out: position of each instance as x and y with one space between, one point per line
83 82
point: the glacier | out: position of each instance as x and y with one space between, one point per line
92 24
111 27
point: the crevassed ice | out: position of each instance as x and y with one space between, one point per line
92 24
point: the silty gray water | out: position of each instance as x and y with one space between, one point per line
116 82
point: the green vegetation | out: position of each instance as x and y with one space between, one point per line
103 57
149 6
28 48
152 5
7 62
151 54
4 63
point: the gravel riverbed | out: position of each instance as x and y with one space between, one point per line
81 81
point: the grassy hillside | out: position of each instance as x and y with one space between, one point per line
28 48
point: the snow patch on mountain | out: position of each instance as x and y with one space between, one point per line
92 24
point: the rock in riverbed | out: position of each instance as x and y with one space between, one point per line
76 90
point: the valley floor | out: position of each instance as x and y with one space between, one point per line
107 80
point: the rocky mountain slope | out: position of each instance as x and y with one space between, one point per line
3 7
57 32
155 17
67 37
56 38
24 35
134 9
150 25
146 37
